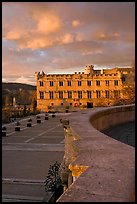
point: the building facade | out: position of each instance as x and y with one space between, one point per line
81 89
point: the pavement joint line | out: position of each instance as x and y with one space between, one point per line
41 133
10 133
34 124
14 131
21 129
52 137
22 181
49 130
37 150
29 144
20 197
24 128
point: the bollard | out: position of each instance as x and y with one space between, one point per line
53 115
38 119
29 123
4 131
46 116
17 128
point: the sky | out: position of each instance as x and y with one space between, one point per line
64 37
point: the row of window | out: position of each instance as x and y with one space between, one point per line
89 94
89 83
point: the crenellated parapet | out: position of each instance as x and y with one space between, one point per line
71 152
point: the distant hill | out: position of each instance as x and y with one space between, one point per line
16 86
23 93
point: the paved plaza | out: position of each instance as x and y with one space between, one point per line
28 153
26 156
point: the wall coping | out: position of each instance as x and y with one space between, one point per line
109 165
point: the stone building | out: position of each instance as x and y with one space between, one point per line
81 89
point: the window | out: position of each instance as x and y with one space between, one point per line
51 83
60 83
79 83
89 94
41 83
61 104
98 94
123 79
79 94
61 94
97 83
52 104
115 82
107 94
51 94
89 83
41 95
69 83
69 94
116 93
70 104
107 82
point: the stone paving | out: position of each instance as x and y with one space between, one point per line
26 156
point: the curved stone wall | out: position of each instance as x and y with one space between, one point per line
109 117
104 168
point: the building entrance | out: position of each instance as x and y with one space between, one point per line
89 104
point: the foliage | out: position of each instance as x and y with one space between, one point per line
103 102
129 88
53 179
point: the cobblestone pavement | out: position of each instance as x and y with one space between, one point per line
26 156
124 133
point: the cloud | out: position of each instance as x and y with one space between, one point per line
76 23
65 35
68 38
33 23
48 23
22 80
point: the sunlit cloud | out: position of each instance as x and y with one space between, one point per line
48 24
92 52
66 36
76 23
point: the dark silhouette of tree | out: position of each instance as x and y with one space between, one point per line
129 88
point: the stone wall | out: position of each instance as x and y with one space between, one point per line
110 117
104 168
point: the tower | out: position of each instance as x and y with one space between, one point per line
89 69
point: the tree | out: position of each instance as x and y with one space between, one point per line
129 87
